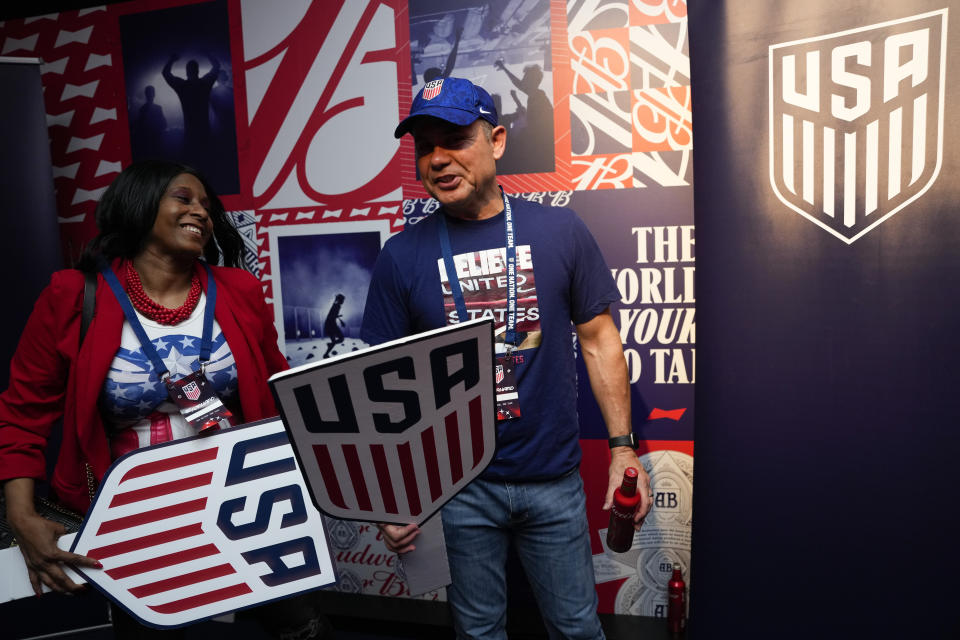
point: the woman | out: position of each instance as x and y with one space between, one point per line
155 221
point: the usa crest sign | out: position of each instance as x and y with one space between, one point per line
202 526
856 121
391 433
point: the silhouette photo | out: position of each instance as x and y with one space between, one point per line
505 47
180 99
320 274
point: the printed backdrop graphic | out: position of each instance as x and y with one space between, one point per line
503 46
318 74
829 345
322 272
837 145
179 89
650 251
299 118
640 575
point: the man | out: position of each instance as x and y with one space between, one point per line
533 140
454 266
194 93
330 328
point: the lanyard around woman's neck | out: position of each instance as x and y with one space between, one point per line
457 293
206 340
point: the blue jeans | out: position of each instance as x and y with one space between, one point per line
547 524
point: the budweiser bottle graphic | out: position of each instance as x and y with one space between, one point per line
676 601
625 503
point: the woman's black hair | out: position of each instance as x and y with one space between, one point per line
127 211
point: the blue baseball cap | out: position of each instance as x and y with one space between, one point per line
455 100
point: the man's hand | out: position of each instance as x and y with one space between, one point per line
603 356
398 539
622 458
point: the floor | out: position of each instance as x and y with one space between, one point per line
84 617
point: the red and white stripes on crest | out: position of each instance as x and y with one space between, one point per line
152 541
387 477
432 89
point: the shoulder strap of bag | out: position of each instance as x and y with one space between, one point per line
89 302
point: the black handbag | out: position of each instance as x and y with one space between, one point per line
46 508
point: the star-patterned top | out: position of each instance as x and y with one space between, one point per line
133 391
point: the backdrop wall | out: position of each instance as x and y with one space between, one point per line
289 108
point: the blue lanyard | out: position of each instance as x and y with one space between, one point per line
206 342
510 336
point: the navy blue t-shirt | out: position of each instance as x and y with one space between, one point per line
561 278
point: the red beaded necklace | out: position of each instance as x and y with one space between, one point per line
155 311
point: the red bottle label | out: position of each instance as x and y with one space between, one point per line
620 532
625 503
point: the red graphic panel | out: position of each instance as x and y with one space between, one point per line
600 61
657 11
315 76
80 76
662 119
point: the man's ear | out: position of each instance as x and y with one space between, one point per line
498 138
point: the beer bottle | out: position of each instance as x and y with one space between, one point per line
626 500
676 601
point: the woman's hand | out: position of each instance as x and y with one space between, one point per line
37 538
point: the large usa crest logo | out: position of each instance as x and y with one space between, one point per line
203 526
391 433
856 121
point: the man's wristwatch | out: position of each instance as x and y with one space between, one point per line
629 440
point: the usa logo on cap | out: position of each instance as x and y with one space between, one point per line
432 89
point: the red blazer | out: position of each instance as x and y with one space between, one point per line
50 379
